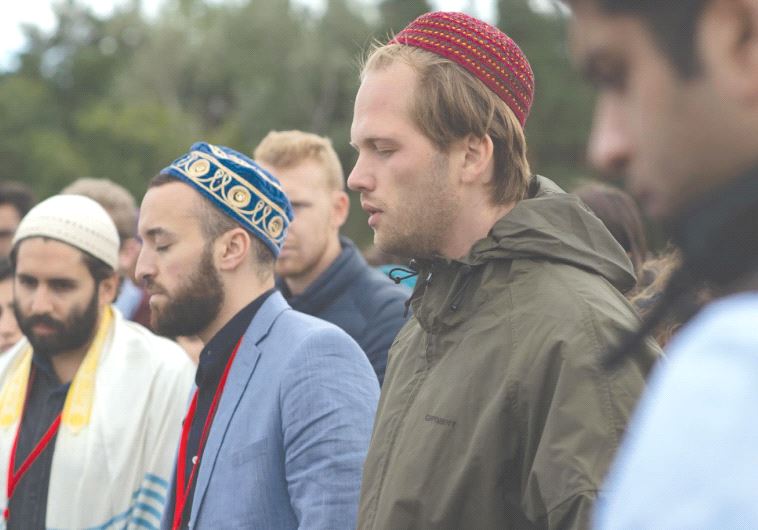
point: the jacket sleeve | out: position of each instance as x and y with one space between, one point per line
328 401
573 414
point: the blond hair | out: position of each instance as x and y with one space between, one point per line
285 149
449 104
115 199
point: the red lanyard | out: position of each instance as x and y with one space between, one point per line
15 477
182 491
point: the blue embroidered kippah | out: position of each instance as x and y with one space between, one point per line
239 187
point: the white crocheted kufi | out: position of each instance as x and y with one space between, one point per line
76 220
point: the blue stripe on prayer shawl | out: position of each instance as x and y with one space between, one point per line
150 509
156 479
143 507
153 495
144 524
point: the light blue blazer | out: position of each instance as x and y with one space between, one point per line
287 445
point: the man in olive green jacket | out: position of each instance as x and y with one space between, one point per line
496 411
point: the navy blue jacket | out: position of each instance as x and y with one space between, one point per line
357 298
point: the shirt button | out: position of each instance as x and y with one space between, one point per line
194 460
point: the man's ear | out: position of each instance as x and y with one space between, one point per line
108 289
727 42
478 159
231 249
340 208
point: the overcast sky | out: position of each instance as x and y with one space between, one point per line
39 12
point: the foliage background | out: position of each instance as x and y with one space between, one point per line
120 96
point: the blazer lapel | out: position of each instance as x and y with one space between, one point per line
239 377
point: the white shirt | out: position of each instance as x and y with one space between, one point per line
690 459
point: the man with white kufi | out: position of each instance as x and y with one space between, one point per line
90 404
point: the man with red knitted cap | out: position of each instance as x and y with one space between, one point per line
495 411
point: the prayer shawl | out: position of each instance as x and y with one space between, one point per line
120 426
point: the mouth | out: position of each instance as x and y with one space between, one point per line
373 212
42 330
154 300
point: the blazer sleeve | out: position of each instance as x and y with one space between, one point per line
328 400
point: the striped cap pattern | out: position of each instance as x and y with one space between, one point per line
483 50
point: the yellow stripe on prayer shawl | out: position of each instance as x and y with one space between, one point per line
78 406
14 390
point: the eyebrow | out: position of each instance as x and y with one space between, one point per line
372 140
152 233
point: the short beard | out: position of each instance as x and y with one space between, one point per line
428 223
196 303
73 333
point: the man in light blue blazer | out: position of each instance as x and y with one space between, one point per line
278 427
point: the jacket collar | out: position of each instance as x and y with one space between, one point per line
239 378
332 282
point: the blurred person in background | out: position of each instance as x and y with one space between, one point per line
10 333
320 272
132 299
658 272
16 199
90 404
277 430
495 412
677 118
621 216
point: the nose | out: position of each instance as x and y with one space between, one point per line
610 148
145 266
359 178
42 302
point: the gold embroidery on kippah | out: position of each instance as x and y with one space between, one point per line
238 196
275 227
199 168
250 203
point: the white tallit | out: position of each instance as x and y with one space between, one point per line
119 431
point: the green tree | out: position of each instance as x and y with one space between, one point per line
396 14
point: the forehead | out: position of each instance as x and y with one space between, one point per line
48 257
171 207
307 174
383 100
594 33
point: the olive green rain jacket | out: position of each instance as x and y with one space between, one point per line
495 412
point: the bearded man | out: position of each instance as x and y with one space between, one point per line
90 404
278 428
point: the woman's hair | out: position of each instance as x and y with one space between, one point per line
620 214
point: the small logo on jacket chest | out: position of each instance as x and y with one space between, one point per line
440 421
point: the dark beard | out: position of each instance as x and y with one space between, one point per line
73 333
195 305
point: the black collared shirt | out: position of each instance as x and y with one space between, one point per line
45 401
210 368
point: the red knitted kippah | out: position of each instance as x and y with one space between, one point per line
485 51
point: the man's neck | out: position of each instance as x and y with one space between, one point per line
474 228
66 364
298 284
235 300
717 236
